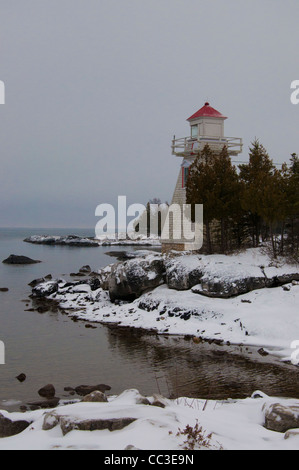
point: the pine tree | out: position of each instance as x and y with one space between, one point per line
226 190
273 205
253 176
213 182
292 223
199 189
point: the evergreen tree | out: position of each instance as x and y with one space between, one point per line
253 176
199 189
213 182
227 191
273 205
292 223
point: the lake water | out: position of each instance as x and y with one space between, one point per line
51 348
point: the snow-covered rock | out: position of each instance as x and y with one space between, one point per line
124 240
130 279
45 289
183 271
225 276
281 418
70 240
125 422
253 318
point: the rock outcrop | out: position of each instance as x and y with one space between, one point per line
16 259
128 280
183 272
216 276
70 240
69 424
226 288
45 289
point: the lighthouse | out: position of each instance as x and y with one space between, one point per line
206 127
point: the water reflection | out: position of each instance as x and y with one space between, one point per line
182 368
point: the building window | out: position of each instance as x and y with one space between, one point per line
194 131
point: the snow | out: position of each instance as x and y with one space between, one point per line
235 424
127 239
265 317
72 240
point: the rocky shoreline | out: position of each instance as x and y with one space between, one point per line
131 421
77 241
227 299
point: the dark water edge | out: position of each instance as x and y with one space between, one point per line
51 348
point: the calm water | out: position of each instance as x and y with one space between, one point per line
51 348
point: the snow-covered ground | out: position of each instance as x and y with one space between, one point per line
123 239
234 424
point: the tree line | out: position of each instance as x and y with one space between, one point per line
249 204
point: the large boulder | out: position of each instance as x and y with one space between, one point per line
69 424
183 272
225 276
130 279
228 287
45 289
281 418
278 276
11 428
15 259
48 391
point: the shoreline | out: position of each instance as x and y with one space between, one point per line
131 421
92 305
92 242
235 351
235 299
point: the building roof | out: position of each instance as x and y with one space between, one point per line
206 111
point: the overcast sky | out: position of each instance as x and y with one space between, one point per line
95 90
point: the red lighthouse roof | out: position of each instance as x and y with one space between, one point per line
207 111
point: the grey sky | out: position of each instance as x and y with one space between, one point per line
95 90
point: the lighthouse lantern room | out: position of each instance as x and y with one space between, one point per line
206 127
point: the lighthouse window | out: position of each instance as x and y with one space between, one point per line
194 131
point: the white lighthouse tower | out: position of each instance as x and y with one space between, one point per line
206 127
